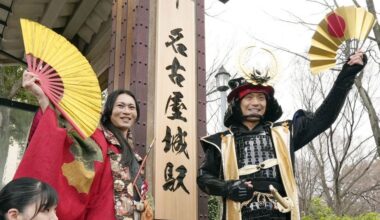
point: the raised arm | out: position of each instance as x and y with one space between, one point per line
30 82
307 125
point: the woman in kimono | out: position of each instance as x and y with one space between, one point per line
93 177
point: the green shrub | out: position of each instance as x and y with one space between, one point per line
368 216
319 210
214 207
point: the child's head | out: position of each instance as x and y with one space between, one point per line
26 199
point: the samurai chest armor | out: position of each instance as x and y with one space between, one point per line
254 148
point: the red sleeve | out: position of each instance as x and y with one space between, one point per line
43 157
48 152
36 120
101 204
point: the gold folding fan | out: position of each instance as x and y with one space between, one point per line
65 76
348 26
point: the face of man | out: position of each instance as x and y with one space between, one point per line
253 106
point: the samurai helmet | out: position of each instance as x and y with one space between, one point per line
253 80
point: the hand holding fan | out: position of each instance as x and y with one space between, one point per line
343 30
65 76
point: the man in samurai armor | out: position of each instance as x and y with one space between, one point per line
251 164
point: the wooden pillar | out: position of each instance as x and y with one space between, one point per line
201 96
117 71
129 57
133 64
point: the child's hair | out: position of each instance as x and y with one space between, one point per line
21 192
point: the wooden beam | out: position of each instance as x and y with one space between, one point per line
103 80
81 44
52 12
100 65
69 9
17 53
94 22
60 22
130 40
12 56
103 9
6 2
31 1
28 10
79 17
103 37
12 33
3 15
4 7
13 21
11 44
117 46
85 33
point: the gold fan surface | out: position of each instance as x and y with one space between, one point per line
79 99
347 23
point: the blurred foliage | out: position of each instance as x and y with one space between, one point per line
9 77
19 125
320 211
214 208
19 121
14 123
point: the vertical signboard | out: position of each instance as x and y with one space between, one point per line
175 161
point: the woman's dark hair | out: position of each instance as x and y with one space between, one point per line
128 157
24 191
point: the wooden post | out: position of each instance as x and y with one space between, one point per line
138 61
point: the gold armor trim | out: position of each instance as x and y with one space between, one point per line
281 140
249 169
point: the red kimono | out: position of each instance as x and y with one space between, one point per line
80 170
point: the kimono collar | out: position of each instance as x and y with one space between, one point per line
111 138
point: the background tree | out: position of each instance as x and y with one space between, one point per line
338 164
364 92
213 96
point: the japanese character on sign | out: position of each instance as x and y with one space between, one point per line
177 106
172 183
177 142
176 35
174 76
